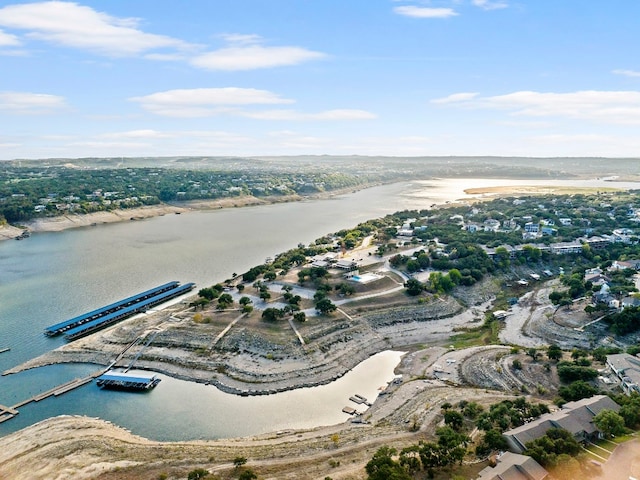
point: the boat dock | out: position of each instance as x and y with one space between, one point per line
106 378
85 318
359 399
92 323
127 381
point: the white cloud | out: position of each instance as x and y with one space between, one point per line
8 40
330 115
488 5
617 107
627 73
425 12
203 102
73 25
245 54
145 133
30 103
456 97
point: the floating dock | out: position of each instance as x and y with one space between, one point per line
109 309
127 380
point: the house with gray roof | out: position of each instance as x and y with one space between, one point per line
512 466
575 417
626 369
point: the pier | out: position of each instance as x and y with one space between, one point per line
7 413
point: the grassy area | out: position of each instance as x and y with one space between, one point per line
486 334
624 438
599 450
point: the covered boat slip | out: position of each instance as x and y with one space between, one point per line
127 380
108 309
101 322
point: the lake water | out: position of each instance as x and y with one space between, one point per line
54 276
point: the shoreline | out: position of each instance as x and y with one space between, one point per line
244 374
68 221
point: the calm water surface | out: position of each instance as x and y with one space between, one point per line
53 276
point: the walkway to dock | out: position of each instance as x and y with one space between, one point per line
227 328
7 413
293 327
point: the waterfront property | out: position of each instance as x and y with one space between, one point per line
575 417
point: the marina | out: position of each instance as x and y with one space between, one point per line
103 321
109 309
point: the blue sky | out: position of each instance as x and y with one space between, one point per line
344 77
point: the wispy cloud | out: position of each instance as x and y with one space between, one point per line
456 97
490 5
248 52
616 107
77 26
26 103
425 12
627 73
329 115
143 133
8 40
204 102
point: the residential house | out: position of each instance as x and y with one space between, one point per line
629 301
565 222
346 265
565 248
491 225
596 242
513 466
575 417
625 264
624 235
626 369
531 227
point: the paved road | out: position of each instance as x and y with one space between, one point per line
623 464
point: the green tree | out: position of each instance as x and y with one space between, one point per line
272 314
325 306
264 294
382 466
247 474
197 474
577 390
609 423
414 287
454 419
554 352
239 461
